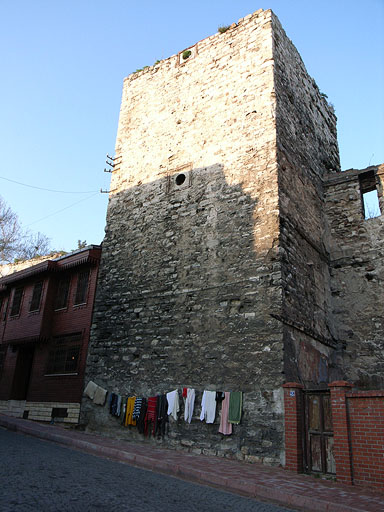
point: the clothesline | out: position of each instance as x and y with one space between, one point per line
151 415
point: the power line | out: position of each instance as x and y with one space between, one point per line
48 189
62 209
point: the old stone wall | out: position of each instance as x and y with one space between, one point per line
357 269
190 271
236 256
306 150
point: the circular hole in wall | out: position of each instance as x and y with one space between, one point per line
180 178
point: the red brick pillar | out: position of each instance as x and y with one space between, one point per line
341 448
293 401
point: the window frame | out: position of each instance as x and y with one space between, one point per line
20 289
34 298
83 299
64 350
62 293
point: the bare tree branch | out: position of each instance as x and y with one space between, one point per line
16 243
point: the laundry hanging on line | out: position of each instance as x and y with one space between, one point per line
208 406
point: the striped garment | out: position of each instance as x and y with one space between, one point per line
136 408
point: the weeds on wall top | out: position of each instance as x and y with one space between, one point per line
186 54
223 28
141 69
331 105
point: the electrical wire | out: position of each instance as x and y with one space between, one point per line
62 209
48 189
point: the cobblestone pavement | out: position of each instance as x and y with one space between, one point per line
37 475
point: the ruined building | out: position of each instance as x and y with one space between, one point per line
236 256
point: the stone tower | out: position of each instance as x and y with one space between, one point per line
214 270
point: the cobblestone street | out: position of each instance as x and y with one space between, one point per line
40 476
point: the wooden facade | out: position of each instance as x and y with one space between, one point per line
45 318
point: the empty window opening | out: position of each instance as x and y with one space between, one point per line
180 178
371 205
82 288
16 303
36 296
369 195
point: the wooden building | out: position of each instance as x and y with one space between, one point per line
45 318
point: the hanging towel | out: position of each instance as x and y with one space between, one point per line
235 407
173 403
189 405
225 427
90 389
208 406
100 395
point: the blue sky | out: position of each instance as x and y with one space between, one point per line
63 65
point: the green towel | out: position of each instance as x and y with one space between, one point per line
235 407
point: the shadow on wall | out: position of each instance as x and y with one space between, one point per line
183 298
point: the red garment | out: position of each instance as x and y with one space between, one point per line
151 415
185 392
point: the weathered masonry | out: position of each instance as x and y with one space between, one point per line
356 231
225 248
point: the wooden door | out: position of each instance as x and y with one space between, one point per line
319 433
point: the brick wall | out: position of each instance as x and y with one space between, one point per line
293 400
341 445
358 426
366 423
